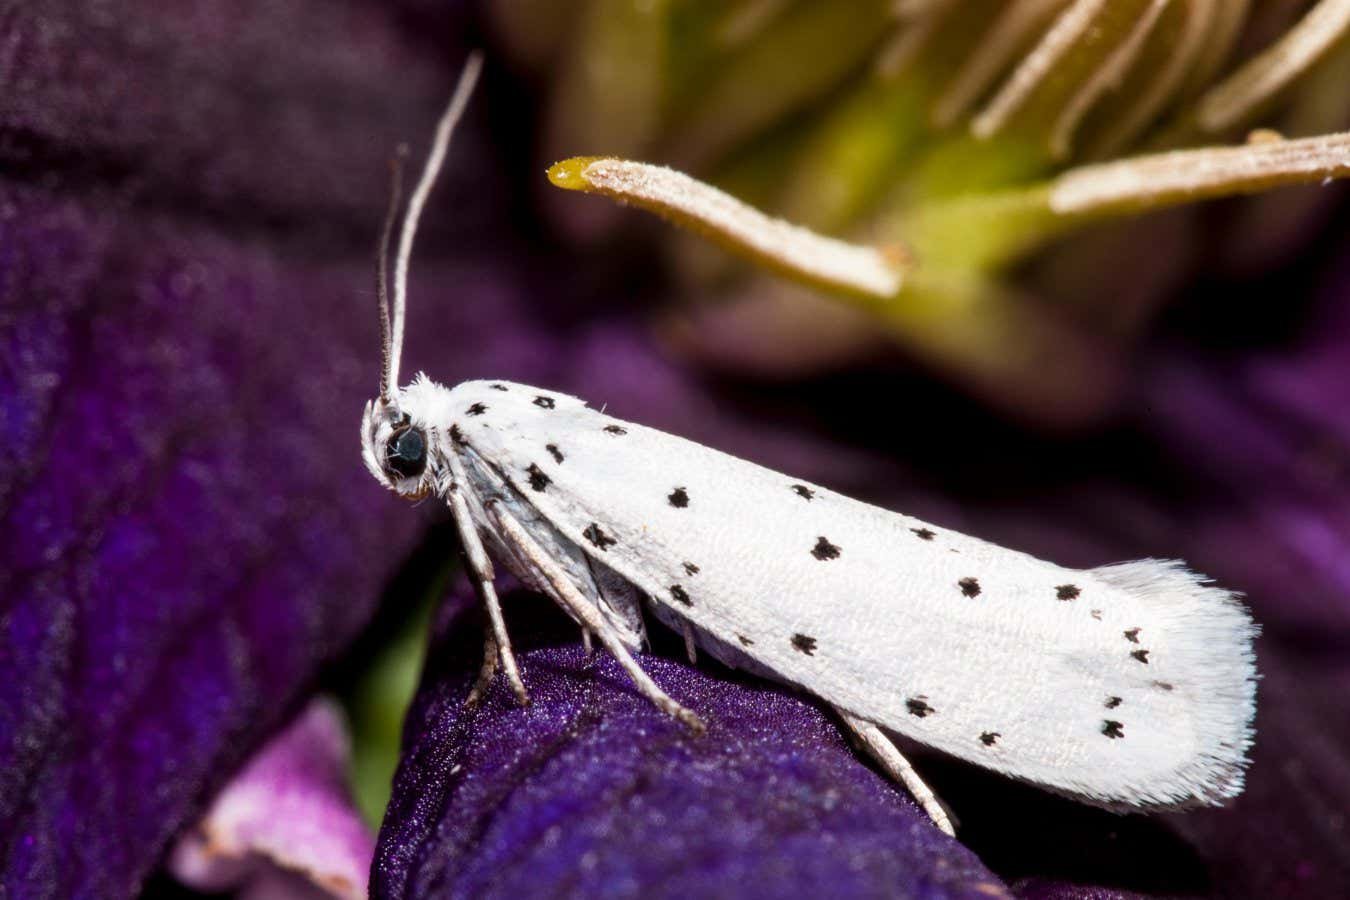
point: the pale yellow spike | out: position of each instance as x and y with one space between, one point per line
1011 32
1068 29
1107 77
1231 102
1186 176
795 251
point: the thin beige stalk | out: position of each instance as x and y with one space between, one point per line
1233 101
1107 77
1165 81
795 251
1186 176
1007 37
1068 29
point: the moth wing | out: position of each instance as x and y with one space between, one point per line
1125 686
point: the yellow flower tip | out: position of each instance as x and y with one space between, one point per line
570 174
1264 136
897 255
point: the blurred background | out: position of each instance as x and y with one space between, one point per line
213 623
924 126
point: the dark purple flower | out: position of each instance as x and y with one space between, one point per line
186 211
188 195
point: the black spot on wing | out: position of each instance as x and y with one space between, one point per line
679 498
598 537
544 402
615 430
804 644
690 568
477 409
918 707
969 586
1113 702
1141 655
1132 635
1097 614
680 594
456 435
925 534
538 480
1163 685
554 452
498 387
1067 592
824 550
803 491
1113 729
745 641
990 738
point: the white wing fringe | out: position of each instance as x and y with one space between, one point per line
1210 647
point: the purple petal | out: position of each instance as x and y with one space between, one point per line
182 545
593 792
219 107
288 811
188 338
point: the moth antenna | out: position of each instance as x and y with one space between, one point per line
440 143
382 269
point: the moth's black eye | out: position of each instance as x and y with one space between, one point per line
405 453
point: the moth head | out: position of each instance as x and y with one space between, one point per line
399 442
399 449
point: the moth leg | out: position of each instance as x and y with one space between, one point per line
480 573
486 673
586 641
690 647
586 613
618 600
894 764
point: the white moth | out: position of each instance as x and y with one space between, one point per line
1130 687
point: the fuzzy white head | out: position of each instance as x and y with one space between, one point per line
401 446
396 450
